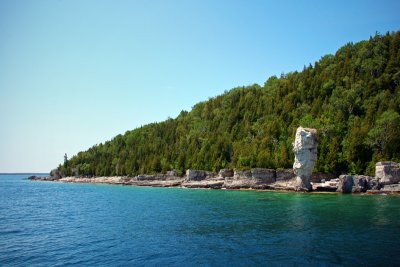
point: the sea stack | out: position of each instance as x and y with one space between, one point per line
305 151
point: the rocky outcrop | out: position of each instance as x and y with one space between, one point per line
263 176
224 173
386 180
391 188
150 178
388 172
56 174
42 178
326 186
321 177
284 175
353 183
257 178
195 175
374 184
212 184
305 151
240 175
172 173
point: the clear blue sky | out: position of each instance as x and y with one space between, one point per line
76 73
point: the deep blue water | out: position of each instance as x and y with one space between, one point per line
56 224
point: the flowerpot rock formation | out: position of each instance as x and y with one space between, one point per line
305 151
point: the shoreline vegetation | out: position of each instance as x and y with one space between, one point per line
352 98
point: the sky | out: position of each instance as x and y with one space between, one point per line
77 73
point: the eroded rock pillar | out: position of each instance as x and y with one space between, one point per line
305 151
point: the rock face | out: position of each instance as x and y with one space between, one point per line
354 183
195 175
284 175
226 173
257 178
388 172
239 175
260 175
305 151
391 188
56 174
172 173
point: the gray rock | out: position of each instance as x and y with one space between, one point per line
210 175
345 184
204 184
149 178
266 176
327 186
388 172
353 183
284 175
56 174
305 151
256 178
226 173
374 184
319 177
172 173
391 188
242 175
360 183
195 175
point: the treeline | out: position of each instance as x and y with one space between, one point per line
352 98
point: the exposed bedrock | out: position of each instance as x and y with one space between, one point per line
226 173
355 183
305 151
388 172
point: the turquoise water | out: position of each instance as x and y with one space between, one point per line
55 224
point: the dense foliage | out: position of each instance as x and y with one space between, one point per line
352 98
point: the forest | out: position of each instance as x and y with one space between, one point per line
352 98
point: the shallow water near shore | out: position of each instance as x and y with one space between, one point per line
56 224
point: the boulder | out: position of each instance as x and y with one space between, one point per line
305 151
226 173
388 172
374 184
195 175
265 176
284 175
345 183
353 183
360 183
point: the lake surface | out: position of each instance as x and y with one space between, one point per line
56 224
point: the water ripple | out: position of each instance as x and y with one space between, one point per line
54 224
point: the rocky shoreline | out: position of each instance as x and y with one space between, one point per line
386 180
299 178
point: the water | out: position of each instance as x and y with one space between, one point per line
55 224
